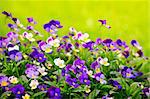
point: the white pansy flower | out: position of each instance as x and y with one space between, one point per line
59 63
16 47
42 71
13 79
72 30
84 37
104 61
34 83
87 89
56 43
28 36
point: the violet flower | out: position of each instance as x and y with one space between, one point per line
128 72
31 20
18 90
83 78
15 55
136 44
54 93
42 87
100 77
7 14
4 81
31 71
52 26
95 65
72 81
115 84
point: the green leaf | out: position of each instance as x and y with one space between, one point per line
5 94
93 94
50 83
78 89
133 87
38 94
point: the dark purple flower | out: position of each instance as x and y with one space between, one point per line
119 42
107 97
52 26
115 84
136 44
54 93
98 41
89 45
31 20
17 56
18 90
65 37
140 53
37 55
63 71
15 20
42 87
126 54
107 41
72 81
103 22
7 14
146 91
83 78
31 71
12 26
79 62
41 58
30 28
128 72
95 65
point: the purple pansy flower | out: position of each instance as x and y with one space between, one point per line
100 77
41 58
136 44
37 55
95 65
89 45
128 72
42 87
31 20
103 22
146 91
98 41
12 26
30 28
18 90
79 62
7 14
115 84
52 26
13 36
4 81
54 93
83 78
72 81
31 71
17 56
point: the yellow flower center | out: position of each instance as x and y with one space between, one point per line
128 74
18 92
4 83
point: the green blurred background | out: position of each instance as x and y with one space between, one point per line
129 19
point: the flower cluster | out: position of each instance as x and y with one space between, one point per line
68 67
